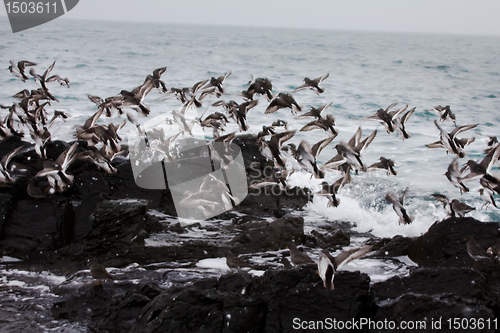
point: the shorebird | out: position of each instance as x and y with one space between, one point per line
214 86
313 112
235 262
483 168
110 103
283 100
450 142
98 271
350 153
398 206
18 69
187 93
58 114
475 251
445 113
487 196
260 86
492 144
454 175
313 84
5 177
286 263
41 137
134 98
329 265
155 80
455 207
297 257
266 130
98 159
307 156
278 176
494 251
384 163
56 171
400 124
42 80
387 117
325 124
272 149
330 191
241 114
280 123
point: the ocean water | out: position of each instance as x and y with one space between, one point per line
368 70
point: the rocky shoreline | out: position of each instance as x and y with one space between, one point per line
158 289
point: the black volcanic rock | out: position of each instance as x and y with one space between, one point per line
444 245
269 303
274 236
39 226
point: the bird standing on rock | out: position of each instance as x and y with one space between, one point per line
475 251
297 257
97 271
234 262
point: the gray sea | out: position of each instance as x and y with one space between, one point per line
368 71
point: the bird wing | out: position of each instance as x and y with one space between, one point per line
360 147
460 129
350 255
355 138
318 146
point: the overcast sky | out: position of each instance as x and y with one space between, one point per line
440 16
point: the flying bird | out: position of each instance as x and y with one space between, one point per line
398 206
313 84
329 265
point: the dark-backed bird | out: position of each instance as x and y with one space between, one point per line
272 149
384 163
445 113
350 153
56 171
474 250
260 86
19 68
387 117
307 156
5 176
331 191
487 195
283 100
329 265
134 99
98 271
241 114
235 262
400 124
494 250
398 206
42 80
297 257
325 124
315 112
454 175
454 207
313 84
216 84
483 168
450 142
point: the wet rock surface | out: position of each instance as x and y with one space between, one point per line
161 281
